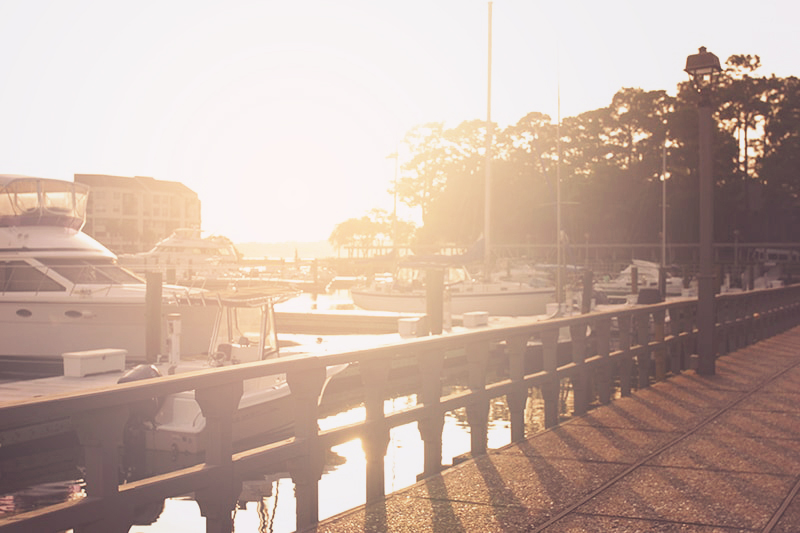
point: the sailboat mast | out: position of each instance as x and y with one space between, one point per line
487 201
559 243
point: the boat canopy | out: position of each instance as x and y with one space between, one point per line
28 201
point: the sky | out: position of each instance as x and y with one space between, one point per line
281 114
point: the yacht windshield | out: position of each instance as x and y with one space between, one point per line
35 201
19 276
99 270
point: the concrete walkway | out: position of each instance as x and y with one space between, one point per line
716 454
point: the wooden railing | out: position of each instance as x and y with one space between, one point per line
610 354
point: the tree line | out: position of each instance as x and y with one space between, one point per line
611 162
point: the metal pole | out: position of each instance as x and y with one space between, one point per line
706 313
487 238
664 206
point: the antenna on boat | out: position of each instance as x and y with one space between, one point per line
487 249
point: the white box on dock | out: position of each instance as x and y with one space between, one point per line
473 319
80 364
412 327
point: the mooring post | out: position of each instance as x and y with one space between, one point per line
152 332
434 299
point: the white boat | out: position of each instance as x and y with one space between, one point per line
62 291
647 277
406 293
190 257
170 432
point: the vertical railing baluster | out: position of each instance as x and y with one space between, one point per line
306 384
517 398
660 353
219 405
431 424
580 378
605 371
643 339
374 377
478 405
100 433
551 384
626 362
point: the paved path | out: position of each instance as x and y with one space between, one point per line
718 454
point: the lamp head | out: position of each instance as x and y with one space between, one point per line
703 67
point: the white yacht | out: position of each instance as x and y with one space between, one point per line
405 292
190 257
62 291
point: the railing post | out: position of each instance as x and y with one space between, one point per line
550 387
219 405
306 385
478 406
643 339
100 434
374 377
431 424
580 379
660 353
626 361
605 372
516 399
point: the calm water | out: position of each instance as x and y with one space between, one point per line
271 506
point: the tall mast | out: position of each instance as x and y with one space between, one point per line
487 201
559 248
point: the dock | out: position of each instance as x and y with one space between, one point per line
692 453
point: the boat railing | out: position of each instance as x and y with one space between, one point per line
610 354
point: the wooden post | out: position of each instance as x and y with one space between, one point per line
100 434
374 377
586 300
626 362
550 387
219 404
604 375
434 299
580 379
478 408
152 316
516 399
430 427
660 353
306 385
643 339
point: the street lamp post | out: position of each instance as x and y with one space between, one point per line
704 67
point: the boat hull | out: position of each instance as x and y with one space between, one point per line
47 329
518 302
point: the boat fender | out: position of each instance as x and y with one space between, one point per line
141 419
145 410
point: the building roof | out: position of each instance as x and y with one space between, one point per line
139 183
